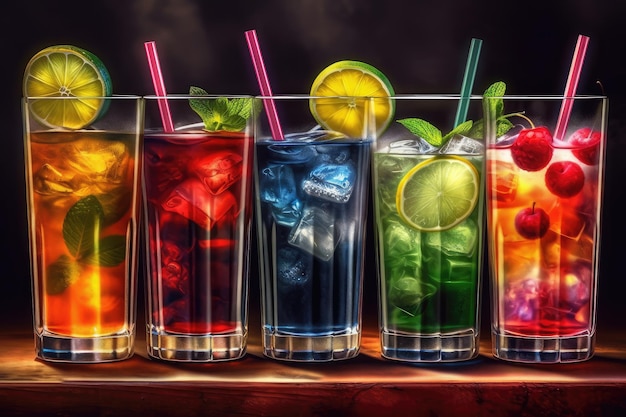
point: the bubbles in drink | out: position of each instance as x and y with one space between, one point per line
332 182
293 268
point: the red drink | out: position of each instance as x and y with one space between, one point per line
197 199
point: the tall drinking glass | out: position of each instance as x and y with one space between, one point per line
83 204
428 215
312 198
544 196
197 187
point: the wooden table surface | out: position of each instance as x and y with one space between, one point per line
367 385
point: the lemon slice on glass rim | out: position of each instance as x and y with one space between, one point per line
439 193
351 79
66 71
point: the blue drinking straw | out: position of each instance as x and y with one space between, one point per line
468 81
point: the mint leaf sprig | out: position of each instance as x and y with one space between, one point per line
431 134
496 109
81 233
222 113
469 128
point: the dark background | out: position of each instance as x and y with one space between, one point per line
420 45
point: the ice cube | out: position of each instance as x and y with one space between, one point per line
315 233
415 146
460 240
193 201
219 170
462 145
522 300
277 185
288 215
108 163
290 153
331 182
48 181
503 177
402 248
84 168
575 286
408 294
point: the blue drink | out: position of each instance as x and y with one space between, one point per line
311 208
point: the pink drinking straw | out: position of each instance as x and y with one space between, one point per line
264 84
159 85
570 86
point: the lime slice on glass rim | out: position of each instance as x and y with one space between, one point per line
351 79
66 71
438 193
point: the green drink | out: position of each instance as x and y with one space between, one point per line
429 222
427 274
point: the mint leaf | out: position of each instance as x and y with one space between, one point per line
497 89
222 113
503 125
496 108
60 274
81 226
423 129
461 129
111 251
477 131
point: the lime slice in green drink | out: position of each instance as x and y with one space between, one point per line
438 193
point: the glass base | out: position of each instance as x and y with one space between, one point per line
195 348
59 348
543 349
290 347
408 347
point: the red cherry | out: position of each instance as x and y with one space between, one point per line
565 179
532 150
589 142
532 222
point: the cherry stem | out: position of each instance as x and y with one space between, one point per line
533 207
523 116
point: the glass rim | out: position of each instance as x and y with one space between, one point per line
111 97
435 96
550 97
189 96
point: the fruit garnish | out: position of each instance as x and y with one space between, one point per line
532 150
565 179
351 79
589 142
532 222
67 71
222 113
438 193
